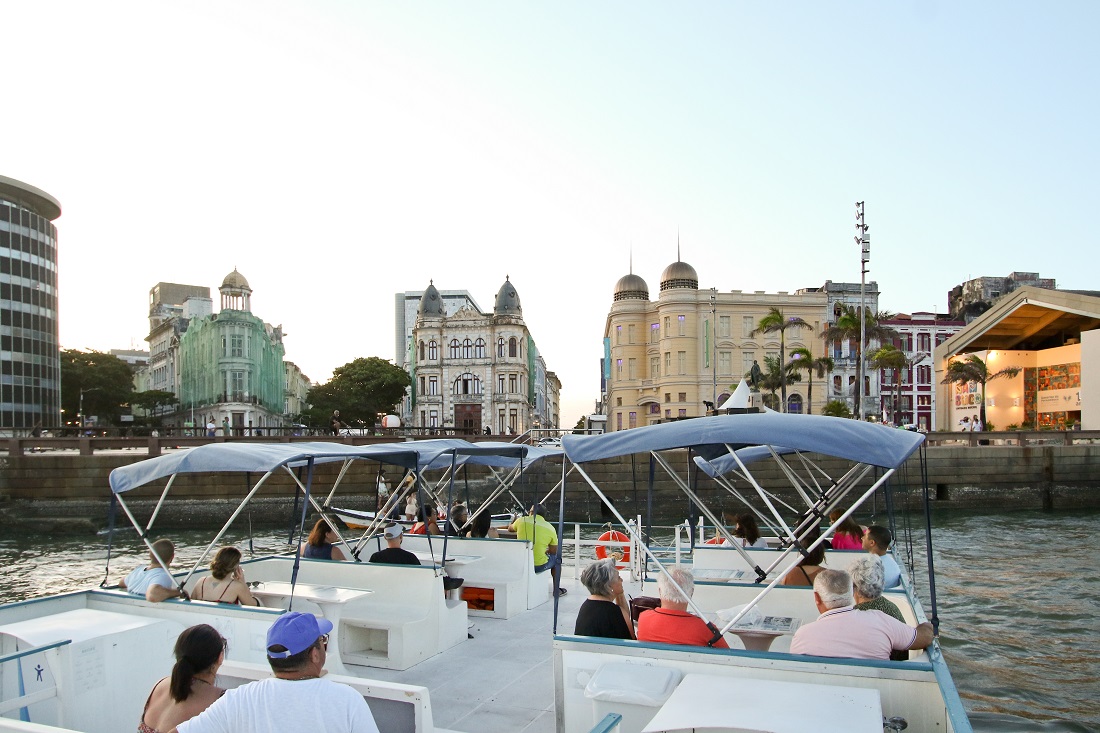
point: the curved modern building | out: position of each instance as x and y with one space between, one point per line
30 362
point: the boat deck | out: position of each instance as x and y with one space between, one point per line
501 680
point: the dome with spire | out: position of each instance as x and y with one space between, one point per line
235 281
430 303
631 287
679 275
507 301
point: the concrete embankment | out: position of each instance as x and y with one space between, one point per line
62 490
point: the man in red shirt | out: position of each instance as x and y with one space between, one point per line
672 623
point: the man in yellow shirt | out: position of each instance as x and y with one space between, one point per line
544 539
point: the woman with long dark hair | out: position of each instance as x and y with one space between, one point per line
200 651
848 535
810 565
319 544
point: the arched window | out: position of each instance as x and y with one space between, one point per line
433 350
500 346
467 349
421 351
467 384
794 404
479 349
512 347
455 351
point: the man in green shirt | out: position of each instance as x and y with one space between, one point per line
544 540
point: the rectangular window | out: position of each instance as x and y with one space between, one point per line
654 333
668 397
924 342
433 419
633 419
423 382
668 413
723 327
682 412
654 367
747 359
500 390
725 363
681 324
236 345
513 421
668 325
619 368
512 382
423 418
681 361
618 421
618 335
748 325
630 333
236 384
618 402
433 385
668 362
631 368
683 397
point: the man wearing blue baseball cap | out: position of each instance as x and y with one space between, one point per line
296 698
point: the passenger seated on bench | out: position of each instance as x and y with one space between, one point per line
483 526
544 542
456 520
748 532
877 542
866 572
848 535
200 651
810 565
152 581
296 698
394 554
842 631
225 584
319 544
605 612
425 521
672 623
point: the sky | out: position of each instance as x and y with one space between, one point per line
339 151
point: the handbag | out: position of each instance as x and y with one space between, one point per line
642 603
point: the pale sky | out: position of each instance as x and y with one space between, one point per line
339 152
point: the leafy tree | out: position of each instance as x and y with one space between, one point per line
360 390
846 328
774 376
891 357
579 428
836 408
803 360
152 400
105 380
973 369
776 322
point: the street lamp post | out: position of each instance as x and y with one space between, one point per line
80 409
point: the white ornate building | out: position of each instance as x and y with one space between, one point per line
472 370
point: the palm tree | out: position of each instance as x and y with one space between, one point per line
776 321
891 357
803 360
846 328
774 376
973 369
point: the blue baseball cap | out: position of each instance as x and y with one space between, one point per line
297 632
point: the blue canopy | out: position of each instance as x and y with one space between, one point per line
725 462
708 436
264 457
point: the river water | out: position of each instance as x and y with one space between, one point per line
1017 600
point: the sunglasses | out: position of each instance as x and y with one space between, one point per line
324 640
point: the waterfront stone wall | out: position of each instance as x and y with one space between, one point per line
959 477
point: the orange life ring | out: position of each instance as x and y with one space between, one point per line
613 536
715 541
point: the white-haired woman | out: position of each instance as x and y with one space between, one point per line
605 611
867 581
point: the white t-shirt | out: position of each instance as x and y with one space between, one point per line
273 706
140 579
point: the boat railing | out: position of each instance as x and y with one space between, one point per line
31 698
581 538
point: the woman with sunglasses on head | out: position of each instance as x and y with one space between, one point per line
226 583
200 651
